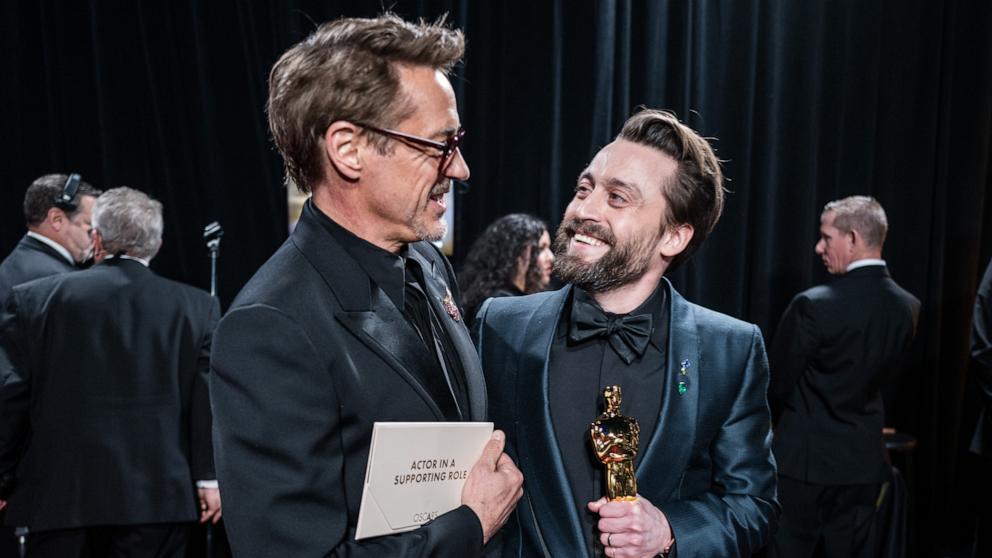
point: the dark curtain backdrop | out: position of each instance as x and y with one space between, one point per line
808 102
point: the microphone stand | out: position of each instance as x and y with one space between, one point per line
22 541
212 234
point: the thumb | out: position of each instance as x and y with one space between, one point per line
492 451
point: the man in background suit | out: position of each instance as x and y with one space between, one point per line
354 319
57 210
104 413
694 379
835 346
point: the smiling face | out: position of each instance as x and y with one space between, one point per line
404 190
613 234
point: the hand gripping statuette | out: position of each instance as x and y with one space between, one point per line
615 440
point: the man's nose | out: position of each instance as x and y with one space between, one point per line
458 167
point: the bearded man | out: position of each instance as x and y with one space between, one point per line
695 380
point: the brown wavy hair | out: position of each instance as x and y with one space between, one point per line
695 195
347 70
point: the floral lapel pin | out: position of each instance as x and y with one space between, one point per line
449 306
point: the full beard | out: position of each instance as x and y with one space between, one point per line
624 263
423 224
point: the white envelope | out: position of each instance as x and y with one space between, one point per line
416 472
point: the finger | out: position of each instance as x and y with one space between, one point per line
211 513
617 509
492 451
217 516
594 507
510 472
618 525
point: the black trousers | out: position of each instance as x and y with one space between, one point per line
160 540
836 518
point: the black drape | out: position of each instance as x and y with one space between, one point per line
808 102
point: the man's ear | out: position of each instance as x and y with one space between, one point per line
57 218
675 239
99 253
342 143
856 239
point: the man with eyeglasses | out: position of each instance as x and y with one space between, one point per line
354 319
57 210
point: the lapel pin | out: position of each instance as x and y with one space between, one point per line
449 306
684 371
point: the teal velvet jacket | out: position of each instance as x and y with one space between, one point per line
708 465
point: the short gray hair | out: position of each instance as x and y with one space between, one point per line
859 213
128 221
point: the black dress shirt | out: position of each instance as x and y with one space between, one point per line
577 374
402 279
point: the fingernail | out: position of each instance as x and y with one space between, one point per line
498 435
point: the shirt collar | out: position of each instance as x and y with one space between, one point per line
385 269
54 245
142 261
864 263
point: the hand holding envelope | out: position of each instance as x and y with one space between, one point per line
418 471
494 486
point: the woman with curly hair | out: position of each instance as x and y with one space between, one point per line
512 257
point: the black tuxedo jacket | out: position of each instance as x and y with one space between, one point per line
708 466
106 383
30 259
835 346
309 356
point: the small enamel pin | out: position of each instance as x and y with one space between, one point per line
684 371
450 307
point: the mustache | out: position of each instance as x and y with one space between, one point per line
440 188
574 226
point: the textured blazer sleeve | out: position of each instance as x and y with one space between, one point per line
981 331
981 353
738 516
795 340
200 418
15 383
278 448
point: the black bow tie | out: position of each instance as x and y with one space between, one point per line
628 335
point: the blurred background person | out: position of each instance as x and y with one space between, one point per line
57 210
836 345
512 257
104 411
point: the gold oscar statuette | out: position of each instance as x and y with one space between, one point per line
615 439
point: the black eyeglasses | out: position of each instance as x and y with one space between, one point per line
447 148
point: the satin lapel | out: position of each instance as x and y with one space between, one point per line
366 312
540 458
386 331
671 444
438 291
